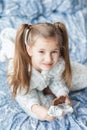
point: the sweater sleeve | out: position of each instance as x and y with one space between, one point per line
58 85
24 100
27 100
59 88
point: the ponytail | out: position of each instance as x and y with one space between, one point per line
21 76
64 52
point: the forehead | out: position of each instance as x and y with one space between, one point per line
46 42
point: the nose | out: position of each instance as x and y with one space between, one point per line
48 58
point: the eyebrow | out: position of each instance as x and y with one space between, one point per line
52 50
56 49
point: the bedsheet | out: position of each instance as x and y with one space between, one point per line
15 12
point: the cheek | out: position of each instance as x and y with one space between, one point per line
56 57
36 57
39 58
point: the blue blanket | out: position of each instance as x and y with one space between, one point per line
74 14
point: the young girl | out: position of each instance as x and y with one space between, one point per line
41 67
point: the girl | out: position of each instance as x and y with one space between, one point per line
41 66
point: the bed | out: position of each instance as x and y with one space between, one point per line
15 12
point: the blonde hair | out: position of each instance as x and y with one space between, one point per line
22 62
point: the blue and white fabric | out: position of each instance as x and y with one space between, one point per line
15 12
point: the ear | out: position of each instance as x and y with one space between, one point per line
29 50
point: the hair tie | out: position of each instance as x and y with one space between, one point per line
26 36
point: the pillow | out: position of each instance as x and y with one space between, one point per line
7 37
79 76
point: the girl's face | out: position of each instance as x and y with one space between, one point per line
44 53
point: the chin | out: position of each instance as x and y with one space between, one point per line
46 69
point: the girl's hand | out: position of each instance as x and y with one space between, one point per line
61 100
42 113
49 118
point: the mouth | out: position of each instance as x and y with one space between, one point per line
47 65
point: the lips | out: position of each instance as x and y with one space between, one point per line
47 64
